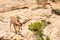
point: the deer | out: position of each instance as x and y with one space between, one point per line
17 23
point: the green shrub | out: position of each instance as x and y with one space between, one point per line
56 11
37 28
47 38
40 38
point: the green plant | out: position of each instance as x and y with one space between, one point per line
40 38
47 38
37 28
56 11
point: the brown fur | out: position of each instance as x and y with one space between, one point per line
16 23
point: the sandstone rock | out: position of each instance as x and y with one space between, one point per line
36 15
16 4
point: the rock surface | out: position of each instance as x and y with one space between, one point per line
9 5
52 30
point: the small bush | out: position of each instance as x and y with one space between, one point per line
37 28
56 11
40 38
47 38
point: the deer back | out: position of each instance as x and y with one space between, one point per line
15 20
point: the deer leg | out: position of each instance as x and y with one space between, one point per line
15 29
18 30
10 26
